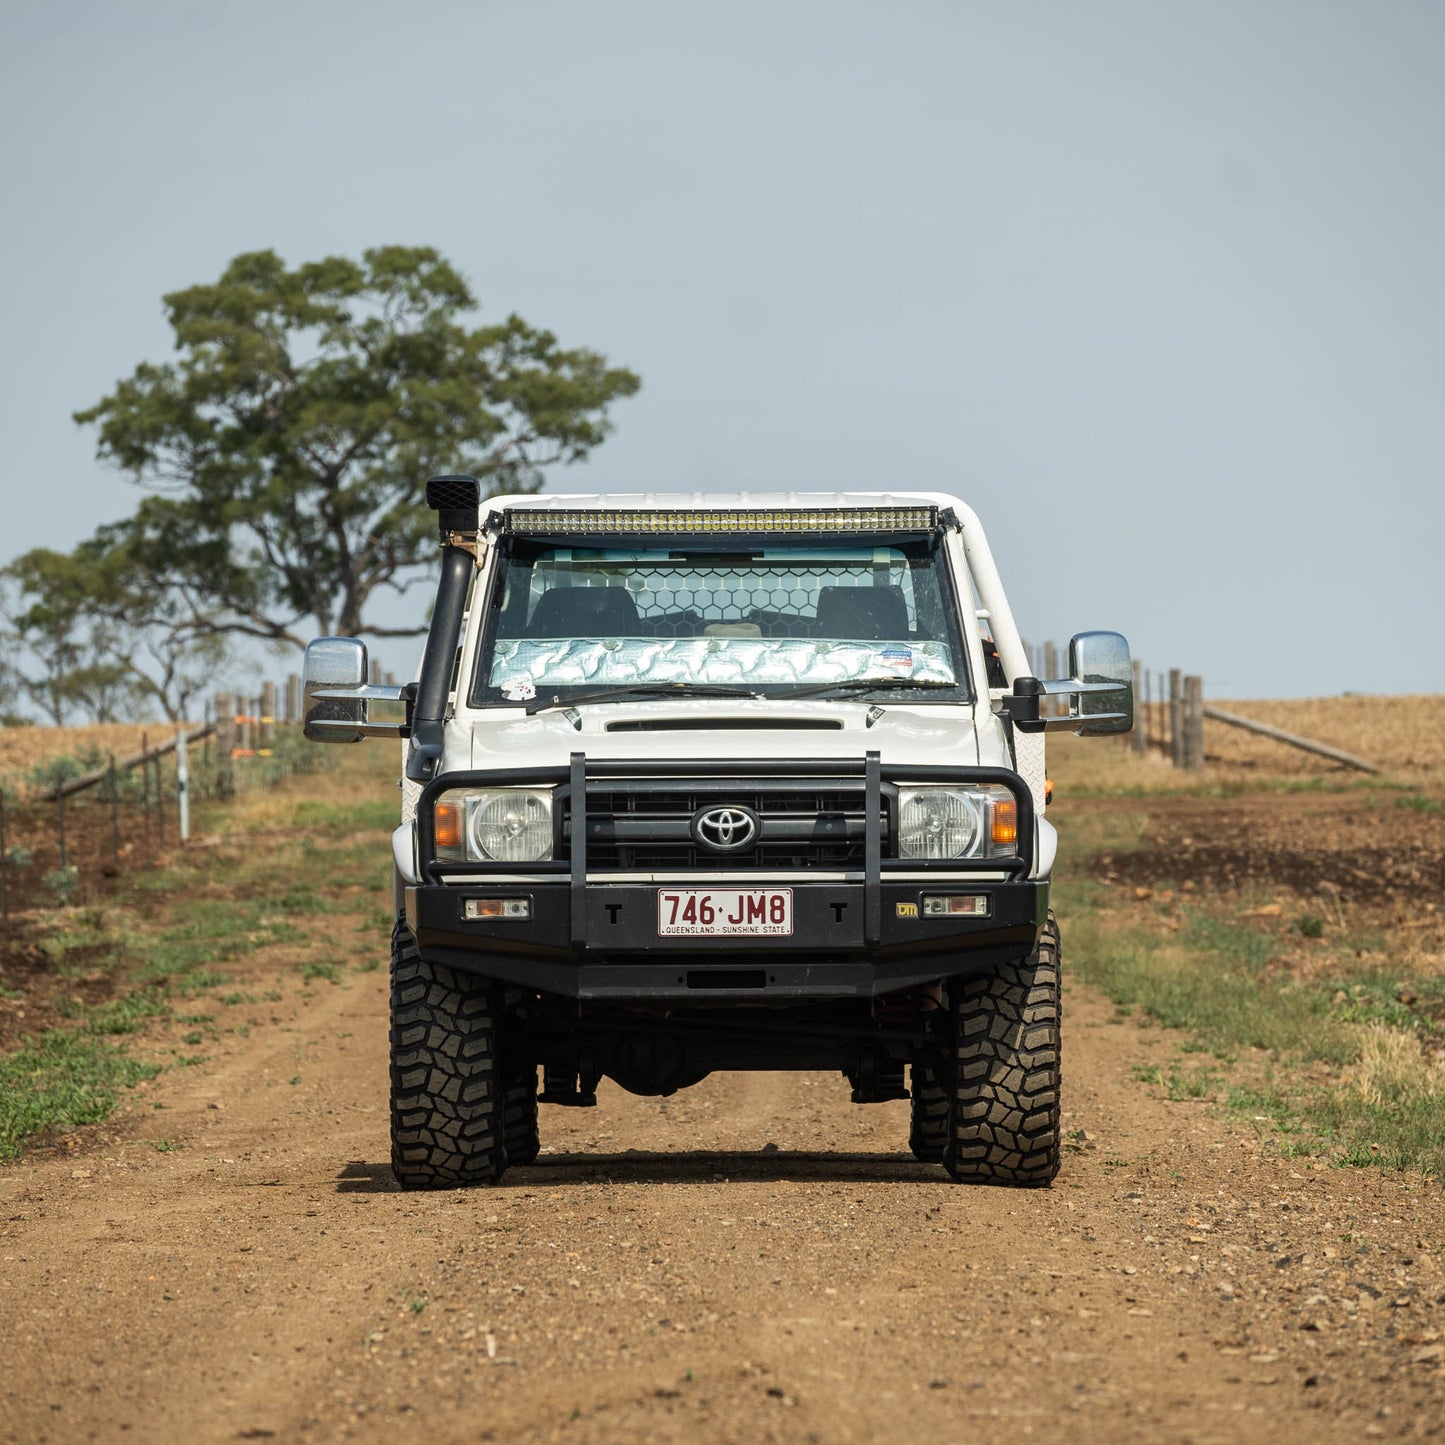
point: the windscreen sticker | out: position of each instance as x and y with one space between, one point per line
519 689
897 657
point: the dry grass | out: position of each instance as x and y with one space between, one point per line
21 749
1393 1066
1405 736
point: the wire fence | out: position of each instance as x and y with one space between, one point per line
68 824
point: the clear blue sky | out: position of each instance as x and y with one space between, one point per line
1157 287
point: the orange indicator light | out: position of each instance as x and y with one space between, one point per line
449 825
1003 826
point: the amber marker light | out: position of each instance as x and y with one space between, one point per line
449 825
1003 822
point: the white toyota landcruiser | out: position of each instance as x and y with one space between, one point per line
703 781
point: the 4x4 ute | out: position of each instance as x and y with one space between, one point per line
721 782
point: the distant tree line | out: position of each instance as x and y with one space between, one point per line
283 454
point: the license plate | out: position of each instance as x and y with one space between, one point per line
724 912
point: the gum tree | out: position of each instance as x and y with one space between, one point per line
287 444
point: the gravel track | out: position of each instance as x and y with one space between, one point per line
754 1259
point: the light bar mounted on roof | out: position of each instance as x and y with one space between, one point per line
575 521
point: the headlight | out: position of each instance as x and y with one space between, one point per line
977 822
499 825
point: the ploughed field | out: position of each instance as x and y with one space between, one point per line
226 1256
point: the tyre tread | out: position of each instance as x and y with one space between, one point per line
446 1115
1003 1125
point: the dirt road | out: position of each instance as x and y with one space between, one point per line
755 1259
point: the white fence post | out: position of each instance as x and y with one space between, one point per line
183 784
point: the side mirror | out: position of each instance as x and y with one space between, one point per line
1100 667
336 698
1100 690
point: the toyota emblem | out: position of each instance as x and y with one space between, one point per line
725 829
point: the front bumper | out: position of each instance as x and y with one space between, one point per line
620 954
594 935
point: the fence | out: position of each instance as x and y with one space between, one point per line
70 822
1169 707
1169 714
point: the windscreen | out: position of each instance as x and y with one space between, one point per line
571 618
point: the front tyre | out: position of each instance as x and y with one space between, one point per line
1004 1108
446 1097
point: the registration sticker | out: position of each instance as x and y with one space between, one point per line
899 657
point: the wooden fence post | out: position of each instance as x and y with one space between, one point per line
1176 717
145 788
114 788
225 743
268 714
293 697
1137 740
1193 723
1053 705
60 827
375 678
4 867
160 803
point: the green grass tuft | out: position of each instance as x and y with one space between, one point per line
60 1080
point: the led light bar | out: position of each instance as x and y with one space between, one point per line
572 522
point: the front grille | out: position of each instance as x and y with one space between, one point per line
801 827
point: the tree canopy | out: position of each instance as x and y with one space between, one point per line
284 453
287 446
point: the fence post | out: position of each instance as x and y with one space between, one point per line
268 713
1137 740
4 868
1176 717
145 789
225 743
293 697
1052 705
60 824
375 678
160 804
1193 723
114 816
183 785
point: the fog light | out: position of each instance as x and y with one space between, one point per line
955 905
488 908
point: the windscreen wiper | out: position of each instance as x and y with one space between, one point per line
859 684
642 692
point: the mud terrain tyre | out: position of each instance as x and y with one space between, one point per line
446 1097
519 1105
1003 1122
519 1094
928 1116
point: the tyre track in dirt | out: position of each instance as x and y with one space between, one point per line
753 1259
